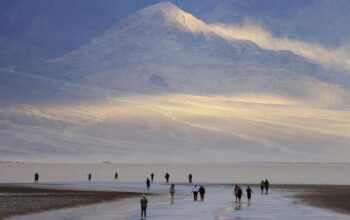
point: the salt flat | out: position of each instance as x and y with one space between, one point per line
218 205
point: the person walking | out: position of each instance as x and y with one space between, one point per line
262 185
201 192
36 177
239 194
152 177
235 192
143 203
167 176
267 185
190 178
172 192
116 175
194 191
148 183
89 177
249 193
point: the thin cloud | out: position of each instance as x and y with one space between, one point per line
264 39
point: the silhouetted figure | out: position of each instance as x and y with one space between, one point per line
152 177
239 194
194 191
235 192
89 177
143 203
262 185
172 192
36 177
249 193
267 185
116 176
148 183
190 178
167 176
201 192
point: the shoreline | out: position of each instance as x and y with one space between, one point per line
22 199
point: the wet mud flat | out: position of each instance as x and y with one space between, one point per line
18 199
331 197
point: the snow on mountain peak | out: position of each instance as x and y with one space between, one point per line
175 16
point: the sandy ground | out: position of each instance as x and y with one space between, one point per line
26 199
335 198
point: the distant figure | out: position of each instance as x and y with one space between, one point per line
262 185
148 183
152 177
143 203
194 191
201 192
266 184
167 177
172 192
235 192
249 193
89 177
36 177
190 178
116 176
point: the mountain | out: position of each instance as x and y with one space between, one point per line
162 85
158 48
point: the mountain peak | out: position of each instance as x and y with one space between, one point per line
175 16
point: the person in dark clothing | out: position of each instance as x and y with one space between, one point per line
148 183
201 192
190 178
249 193
36 177
167 177
89 177
262 185
235 192
267 185
239 194
152 177
143 203
116 176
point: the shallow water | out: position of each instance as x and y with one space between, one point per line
209 173
218 205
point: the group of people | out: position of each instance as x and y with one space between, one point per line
264 185
198 189
238 193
